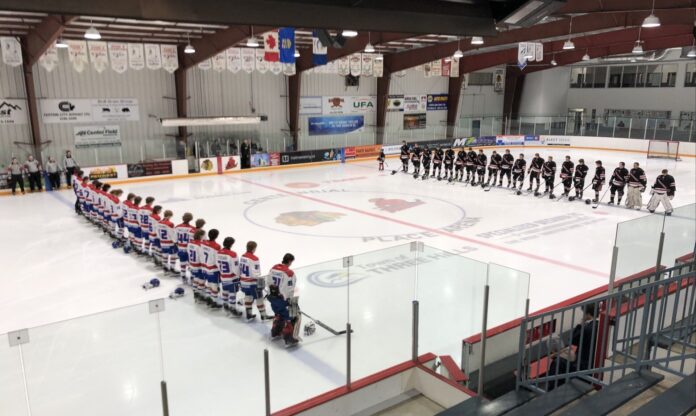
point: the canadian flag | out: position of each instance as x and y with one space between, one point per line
271 47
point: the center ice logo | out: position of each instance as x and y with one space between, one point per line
334 278
395 205
307 218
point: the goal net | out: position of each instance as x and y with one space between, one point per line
663 149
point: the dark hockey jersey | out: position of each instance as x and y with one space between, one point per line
665 184
567 169
519 166
536 164
461 158
581 171
404 151
437 156
637 178
481 160
449 157
495 162
549 168
426 158
619 177
416 154
471 158
508 160
599 175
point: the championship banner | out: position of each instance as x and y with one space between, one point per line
327 125
49 59
498 80
153 57
98 55
271 49
96 136
522 54
234 60
205 65
248 59
395 103
436 68
378 66
318 50
355 64
219 62
276 67
118 55
331 67
414 121
11 51
343 66
427 69
13 111
77 54
446 67
454 69
136 56
286 38
289 69
539 51
170 58
261 64
367 60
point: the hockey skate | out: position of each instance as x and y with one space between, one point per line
289 343
250 317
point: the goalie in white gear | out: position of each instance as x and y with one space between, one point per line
281 288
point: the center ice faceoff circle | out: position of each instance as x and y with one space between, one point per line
341 213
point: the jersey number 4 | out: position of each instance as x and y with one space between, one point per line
244 269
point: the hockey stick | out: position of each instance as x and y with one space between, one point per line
600 199
583 192
326 327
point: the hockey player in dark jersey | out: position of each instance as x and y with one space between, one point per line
470 165
579 178
598 180
535 172
449 162
404 156
426 162
518 169
567 168
494 167
506 167
459 165
381 159
617 183
662 192
637 181
438 155
415 159
481 160
548 171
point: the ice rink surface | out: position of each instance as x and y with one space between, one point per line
57 267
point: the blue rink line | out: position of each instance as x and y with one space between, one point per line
57 197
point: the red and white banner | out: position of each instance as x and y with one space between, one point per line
276 67
378 66
11 51
136 56
343 66
219 62
446 67
261 64
98 55
248 59
289 69
170 58
355 64
77 54
454 68
271 48
49 59
436 68
153 56
205 65
367 60
118 55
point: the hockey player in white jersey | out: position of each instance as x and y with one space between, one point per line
184 234
193 250
252 282
209 266
284 302
228 265
167 247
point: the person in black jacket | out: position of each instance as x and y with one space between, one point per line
617 183
245 155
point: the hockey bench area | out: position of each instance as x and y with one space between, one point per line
405 310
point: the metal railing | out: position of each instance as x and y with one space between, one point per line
600 340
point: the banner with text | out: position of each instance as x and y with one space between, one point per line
325 125
79 110
414 121
13 111
437 102
348 104
97 136
415 103
136 170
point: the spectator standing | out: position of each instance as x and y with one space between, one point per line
53 173
246 154
70 166
33 168
15 170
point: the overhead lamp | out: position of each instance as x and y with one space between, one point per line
189 49
92 33
297 53
638 48
651 21
692 52
252 43
477 40
633 60
458 53
347 33
60 43
568 45
211 121
586 57
553 62
379 57
369 48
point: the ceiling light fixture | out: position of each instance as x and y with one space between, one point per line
189 49
651 20
252 42
369 48
477 40
297 53
553 60
347 33
60 43
638 48
458 53
568 45
92 33
586 57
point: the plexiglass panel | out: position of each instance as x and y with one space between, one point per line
12 394
638 241
680 234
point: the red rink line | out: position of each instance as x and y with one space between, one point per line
434 230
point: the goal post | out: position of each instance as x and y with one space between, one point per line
663 149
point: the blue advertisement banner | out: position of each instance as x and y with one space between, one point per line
260 159
437 102
321 126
